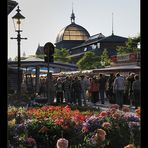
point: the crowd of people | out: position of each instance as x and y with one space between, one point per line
116 88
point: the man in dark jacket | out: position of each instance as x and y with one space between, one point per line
102 87
136 87
76 87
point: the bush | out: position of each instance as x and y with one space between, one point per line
88 128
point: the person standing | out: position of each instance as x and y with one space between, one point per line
76 88
118 88
84 85
42 90
94 89
102 87
126 99
66 88
59 90
130 91
110 94
136 91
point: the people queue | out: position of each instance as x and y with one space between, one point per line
118 89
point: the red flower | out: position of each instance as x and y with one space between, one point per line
138 112
103 114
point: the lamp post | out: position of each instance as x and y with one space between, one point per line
17 22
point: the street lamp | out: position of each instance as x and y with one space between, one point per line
17 18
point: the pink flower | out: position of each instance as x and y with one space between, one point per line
116 106
62 143
103 114
125 109
116 115
100 135
106 124
130 146
30 141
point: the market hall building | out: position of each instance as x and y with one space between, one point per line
77 40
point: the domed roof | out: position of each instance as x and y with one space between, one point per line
72 32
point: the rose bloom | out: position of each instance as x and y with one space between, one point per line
103 114
125 109
116 106
130 146
112 110
106 124
100 135
116 115
138 111
62 143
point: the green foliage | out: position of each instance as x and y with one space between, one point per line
131 45
61 55
105 58
89 61
119 130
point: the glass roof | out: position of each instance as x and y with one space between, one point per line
72 32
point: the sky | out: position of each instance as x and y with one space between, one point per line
44 19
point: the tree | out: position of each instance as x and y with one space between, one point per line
89 61
61 55
131 46
105 60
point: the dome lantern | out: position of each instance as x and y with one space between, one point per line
72 16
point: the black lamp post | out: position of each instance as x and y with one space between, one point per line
17 18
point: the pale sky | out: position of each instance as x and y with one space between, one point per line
45 18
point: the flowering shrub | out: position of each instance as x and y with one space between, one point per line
44 126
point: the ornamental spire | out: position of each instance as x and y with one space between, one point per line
72 16
112 25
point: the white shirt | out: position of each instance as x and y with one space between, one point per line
119 83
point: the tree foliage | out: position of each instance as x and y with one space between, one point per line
61 55
131 45
105 59
89 61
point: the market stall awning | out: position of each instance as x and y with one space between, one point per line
125 68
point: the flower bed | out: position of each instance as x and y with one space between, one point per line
43 126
